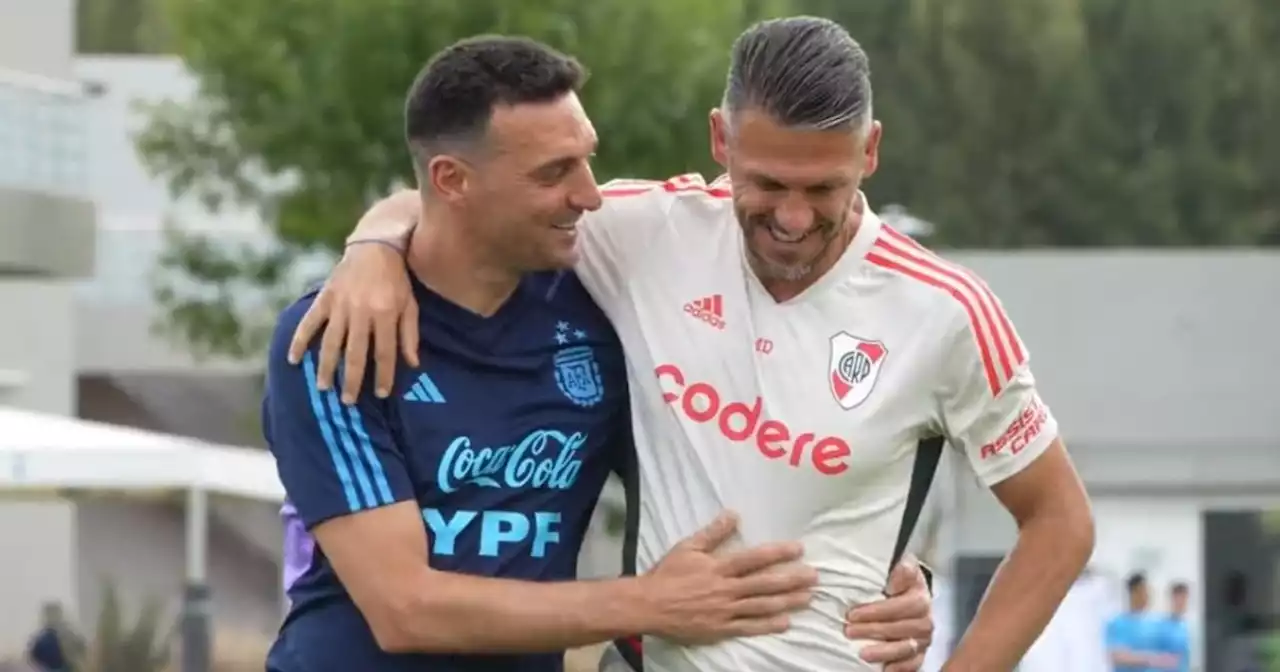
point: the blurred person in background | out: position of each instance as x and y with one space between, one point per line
1175 636
54 645
1133 637
449 520
785 251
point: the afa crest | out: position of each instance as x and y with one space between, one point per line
578 375
854 368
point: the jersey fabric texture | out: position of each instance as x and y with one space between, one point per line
1175 639
1136 633
503 439
804 416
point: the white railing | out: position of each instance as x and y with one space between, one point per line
43 140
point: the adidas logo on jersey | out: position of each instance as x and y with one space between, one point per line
424 391
709 309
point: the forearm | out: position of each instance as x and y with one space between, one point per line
391 219
1157 661
458 613
1124 657
1024 595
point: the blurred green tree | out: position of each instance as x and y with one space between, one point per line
118 27
299 116
1036 123
1077 122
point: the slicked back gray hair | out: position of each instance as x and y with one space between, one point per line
803 71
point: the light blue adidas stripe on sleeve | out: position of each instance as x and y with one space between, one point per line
360 471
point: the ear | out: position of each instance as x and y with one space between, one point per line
448 178
719 138
871 150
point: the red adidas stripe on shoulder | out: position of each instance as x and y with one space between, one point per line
998 345
689 183
628 187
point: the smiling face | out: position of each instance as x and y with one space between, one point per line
523 197
795 191
795 134
502 145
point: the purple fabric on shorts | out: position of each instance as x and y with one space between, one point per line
299 545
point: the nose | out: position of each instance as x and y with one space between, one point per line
585 195
794 214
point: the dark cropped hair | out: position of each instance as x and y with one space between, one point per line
453 97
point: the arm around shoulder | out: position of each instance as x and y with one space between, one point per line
617 241
390 220
346 475
344 472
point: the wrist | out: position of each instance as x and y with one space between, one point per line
389 244
640 612
391 219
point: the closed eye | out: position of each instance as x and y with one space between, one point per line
555 172
767 184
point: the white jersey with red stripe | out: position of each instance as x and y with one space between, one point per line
804 415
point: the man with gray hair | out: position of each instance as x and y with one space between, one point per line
793 358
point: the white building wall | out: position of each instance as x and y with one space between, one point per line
135 209
1148 348
38 566
38 36
37 359
37 344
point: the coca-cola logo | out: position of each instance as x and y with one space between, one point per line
542 459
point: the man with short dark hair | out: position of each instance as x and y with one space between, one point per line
1133 637
447 522
792 357
1174 635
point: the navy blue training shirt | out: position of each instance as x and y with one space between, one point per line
503 438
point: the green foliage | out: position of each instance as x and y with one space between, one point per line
118 27
1078 122
238 289
299 115
1271 652
615 518
1009 124
120 646
1271 522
